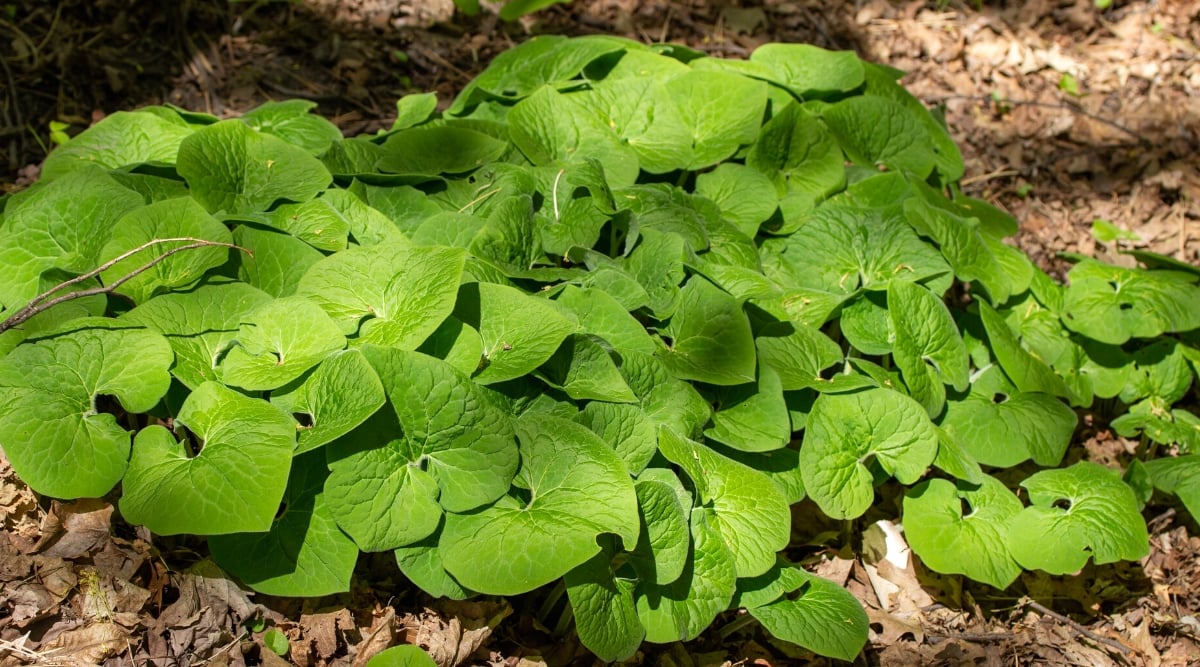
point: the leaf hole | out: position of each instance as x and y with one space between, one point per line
1062 504
192 443
1114 285
999 397
109 405
305 420
932 364
967 510
1126 306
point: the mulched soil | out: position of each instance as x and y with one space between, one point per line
1065 114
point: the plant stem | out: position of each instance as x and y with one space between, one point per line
43 302
744 618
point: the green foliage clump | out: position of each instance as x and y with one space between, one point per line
601 322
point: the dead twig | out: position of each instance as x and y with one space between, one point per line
44 302
1074 625
1073 108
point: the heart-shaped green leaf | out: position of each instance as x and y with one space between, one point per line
710 337
444 443
341 393
243 461
847 431
963 528
602 602
1113 304
747 509
121 139
571 487
999 425
60 440
173 218
304 553
234 169
1077 512
819 615
277 342
199 324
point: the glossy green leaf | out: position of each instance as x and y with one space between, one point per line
60 440
657 265
662 550
963 528
276 261
62 225
600 314
421 562
572 488
585 370
881 82
121 139
414 109
797 352
393 294
1084 511
867 325
277 342
819 615
841 249
234 169
602 602
442 149
1027 372
809 71
800 155
719 112
928 348
170 219
545 59
550 127
1112 304
446 443
200 324
627 428
682 609
999 425
961 241
746 197
879 132
710 337
341 393
752 417
520 332
1179 476
233 484
304 553
292 121
747 509
846 431
316 222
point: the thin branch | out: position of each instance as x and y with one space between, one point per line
1074 625
43 302
1075 108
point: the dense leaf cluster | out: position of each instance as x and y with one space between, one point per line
603 320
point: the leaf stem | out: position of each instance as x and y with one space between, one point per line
743 619
43 302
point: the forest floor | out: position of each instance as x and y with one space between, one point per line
1066 115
